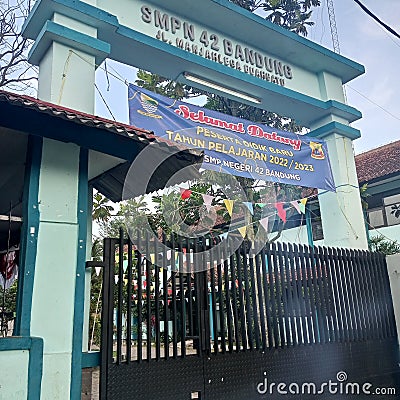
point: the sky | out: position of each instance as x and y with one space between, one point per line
375 93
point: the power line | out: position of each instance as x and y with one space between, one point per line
373 102
372 15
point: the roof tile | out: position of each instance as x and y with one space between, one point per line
379 162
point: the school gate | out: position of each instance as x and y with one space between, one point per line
293 316
71 39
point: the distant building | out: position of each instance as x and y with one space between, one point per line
380 169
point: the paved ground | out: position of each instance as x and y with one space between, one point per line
95 384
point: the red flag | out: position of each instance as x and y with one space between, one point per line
185 193
281 211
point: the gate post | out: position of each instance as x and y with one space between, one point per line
341 212
67 52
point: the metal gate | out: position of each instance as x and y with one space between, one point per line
290 315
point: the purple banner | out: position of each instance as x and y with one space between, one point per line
232 145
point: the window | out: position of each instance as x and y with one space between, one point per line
386 215
376 218
392 209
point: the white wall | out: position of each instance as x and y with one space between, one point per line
14 374
393 263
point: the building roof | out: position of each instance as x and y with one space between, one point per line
377 163
88 120
123 142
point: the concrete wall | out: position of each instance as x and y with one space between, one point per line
393 263
14 374
21 368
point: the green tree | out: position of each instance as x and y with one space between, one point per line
15 71
8 301
384 245
101 209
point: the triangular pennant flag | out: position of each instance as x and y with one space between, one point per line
98 270
264 223
124 265
295 204
207 200
302 205
261 205
242 231
229 206
281 211
116 279
169 254
125 281
185 193
249 205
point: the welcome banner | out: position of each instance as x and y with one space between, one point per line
232 145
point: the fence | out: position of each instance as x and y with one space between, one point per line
286 295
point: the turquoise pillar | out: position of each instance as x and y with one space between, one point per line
67 52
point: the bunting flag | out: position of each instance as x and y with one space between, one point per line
249 205
229 206
281 211
8 268
185 193
264 223
261 205
98 270
295 204
116 279
124 265
169 254
207 201
242 231
302 205
125 281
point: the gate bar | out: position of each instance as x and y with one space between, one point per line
129 305
139 301
120 286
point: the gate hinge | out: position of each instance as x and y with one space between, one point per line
94 264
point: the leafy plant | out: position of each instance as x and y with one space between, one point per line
396 210
384 245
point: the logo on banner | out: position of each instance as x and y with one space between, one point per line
149 105
317 151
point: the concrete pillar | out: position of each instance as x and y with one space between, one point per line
56 271
341 212
67 64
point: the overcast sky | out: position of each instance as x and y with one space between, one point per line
360 38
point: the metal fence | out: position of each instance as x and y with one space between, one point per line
286 295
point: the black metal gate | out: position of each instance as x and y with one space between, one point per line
287 322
